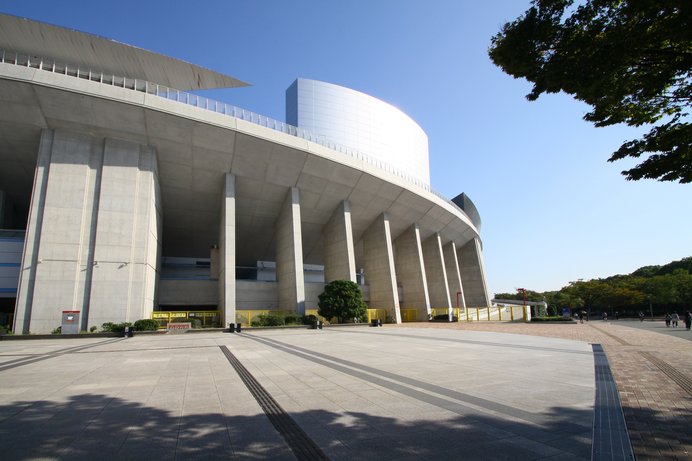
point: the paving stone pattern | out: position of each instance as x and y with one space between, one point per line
658 410
357 393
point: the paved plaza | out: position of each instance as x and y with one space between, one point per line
415 391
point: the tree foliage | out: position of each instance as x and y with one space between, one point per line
630 60
667 287
342 299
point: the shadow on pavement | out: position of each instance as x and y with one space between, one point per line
91 426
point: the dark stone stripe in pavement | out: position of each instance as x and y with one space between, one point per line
298 441
681 379
469 341
610 437
34 358
619 340
563 434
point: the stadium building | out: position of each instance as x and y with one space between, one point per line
123 194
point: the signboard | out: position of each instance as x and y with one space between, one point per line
70 323
179 327
566 312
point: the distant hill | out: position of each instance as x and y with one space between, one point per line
652 271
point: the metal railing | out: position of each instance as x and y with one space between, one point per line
165 92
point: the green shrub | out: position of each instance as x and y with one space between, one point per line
195 323
93 329
115 327
57 331
551 319
342 299
309 319
268 320
291 320
146 325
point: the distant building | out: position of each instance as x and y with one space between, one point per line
128 197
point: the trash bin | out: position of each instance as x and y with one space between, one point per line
238 327
128 332
231 327
319 324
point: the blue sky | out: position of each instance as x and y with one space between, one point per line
553 209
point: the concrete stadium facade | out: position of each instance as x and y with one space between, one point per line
131 197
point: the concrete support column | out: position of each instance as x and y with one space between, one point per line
339 256
436 274
473 274
289 255
128 228
226 253
456 291
27 276
93 233
380 274
410 271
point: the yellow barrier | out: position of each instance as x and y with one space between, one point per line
208 319
247 316
377 314
409 315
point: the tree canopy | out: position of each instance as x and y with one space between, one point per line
342 299
630 60
667 288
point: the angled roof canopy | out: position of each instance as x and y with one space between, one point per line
100 54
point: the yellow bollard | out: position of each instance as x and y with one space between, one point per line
478 315
488 313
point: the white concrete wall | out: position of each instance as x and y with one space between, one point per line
289 255
456 292
380 274
410 272
339 256
436 274
312 294
127 243
251 295
188 292
93 234
227 243
473 274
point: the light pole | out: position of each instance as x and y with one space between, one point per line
523 291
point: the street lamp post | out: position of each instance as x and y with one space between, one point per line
523 291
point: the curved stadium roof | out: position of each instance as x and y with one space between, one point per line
104 55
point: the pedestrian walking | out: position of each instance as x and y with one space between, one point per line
688 320
668 319
676 319
641 316
581 316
